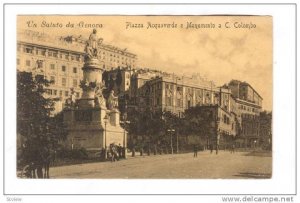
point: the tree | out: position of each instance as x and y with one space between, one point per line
119 79
199 120
34 121
153 124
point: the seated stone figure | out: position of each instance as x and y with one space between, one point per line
112 102
71 101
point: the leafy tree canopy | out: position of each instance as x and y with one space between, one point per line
34 121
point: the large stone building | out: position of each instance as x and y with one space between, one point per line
249 107
163 92
247 99
60 59
238 105
168 92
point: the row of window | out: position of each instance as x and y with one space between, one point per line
52 66
51 53
60 93
118 57
113 60
64 68
64 81
190 91
226 119
247 108
67 56
189 103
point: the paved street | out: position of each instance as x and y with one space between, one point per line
206 165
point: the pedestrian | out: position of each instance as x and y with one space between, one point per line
112 153
232 148
119 148
195 150
124 152
141 151
211 148
148 150
133 151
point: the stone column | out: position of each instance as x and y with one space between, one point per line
92 75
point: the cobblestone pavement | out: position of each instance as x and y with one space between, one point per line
185 166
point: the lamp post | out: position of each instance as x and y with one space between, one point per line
105 119
171 132
177 147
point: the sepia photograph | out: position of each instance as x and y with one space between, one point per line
144 97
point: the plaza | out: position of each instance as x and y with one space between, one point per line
225 165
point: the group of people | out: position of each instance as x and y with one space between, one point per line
211 148
38 166
115 152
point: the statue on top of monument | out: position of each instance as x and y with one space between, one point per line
112 101
91 48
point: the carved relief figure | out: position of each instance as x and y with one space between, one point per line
99 98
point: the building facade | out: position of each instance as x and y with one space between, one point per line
60 59
247 99
265 129
176 94
249 106
238 105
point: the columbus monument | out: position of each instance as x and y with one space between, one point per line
93 121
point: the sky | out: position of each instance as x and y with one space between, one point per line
229 50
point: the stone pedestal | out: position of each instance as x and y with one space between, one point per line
114 117
86 129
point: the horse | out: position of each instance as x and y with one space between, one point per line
48 157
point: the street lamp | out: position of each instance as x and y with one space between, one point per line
177 147
171 132
105 119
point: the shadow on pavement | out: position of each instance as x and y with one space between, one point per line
260 153
255 175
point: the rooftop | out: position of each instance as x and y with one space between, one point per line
72 43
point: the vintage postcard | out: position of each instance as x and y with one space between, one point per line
144 97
